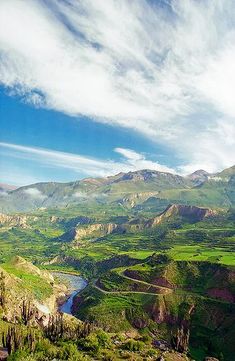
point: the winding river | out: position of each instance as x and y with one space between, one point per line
75 285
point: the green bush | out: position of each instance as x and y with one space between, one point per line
103 338
90 343
133 345
108 355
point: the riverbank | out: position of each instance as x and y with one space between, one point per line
75 284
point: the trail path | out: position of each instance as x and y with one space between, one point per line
124 292
166 289
150 285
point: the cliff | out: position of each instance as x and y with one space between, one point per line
185 212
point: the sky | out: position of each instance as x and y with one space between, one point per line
93 88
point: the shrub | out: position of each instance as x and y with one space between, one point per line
133 345
103 338
90 343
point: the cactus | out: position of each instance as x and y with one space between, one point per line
2 290
27 312
14 339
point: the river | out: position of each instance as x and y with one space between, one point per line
75 285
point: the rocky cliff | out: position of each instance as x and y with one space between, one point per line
24 285
91 231
185 212
13 220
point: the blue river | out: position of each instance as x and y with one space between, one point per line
75 285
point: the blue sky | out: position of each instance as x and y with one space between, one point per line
91 88
36 128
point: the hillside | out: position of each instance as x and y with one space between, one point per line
162 295
32 328
128 189
25 282
157 250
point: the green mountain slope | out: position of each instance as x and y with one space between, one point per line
128 189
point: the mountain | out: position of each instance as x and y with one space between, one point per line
127 189
137 185
5 188
227 173
199 176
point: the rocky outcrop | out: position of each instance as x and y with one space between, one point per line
96 229
19 297
189 213
93 231
13 221
135 198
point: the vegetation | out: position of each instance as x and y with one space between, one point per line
160 282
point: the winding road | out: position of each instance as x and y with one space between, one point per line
150 285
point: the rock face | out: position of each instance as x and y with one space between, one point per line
135 198
13 221
96 230
189 213
20 295
199 177
93 231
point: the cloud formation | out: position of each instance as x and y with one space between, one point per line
165 71
83 166
35 193
136 161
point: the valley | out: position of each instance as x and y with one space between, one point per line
157 252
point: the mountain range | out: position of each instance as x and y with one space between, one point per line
144 189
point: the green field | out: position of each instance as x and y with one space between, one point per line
142 280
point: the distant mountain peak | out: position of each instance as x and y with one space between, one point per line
199 177
7 187
198 173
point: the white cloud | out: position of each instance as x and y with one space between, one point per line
138 161
35 193
82 165
84 195
80 195
157 70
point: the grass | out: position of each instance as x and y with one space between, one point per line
33 284
202 252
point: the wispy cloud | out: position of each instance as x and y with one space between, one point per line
138 161
35 193
169 74
83 166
